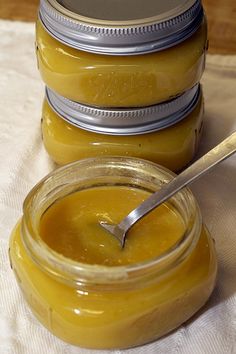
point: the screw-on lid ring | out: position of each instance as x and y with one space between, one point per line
167 24
131 121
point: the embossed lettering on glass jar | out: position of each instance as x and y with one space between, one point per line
167 133
132 53
101 306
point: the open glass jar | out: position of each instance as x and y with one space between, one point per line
167 133
99 306
121 53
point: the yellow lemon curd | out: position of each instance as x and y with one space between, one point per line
120 81
72 227
122 315
173 147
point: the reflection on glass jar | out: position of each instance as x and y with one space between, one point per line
78 281
167 133
113 63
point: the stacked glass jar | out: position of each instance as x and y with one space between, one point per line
122 78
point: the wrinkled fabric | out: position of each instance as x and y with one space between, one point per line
23 162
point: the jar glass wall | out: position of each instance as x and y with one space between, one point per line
120 81
173 147
112 306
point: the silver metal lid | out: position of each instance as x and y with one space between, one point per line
131 121
121 27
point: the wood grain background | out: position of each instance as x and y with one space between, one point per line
221 16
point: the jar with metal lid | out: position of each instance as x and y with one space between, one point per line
76 278
167 133
126 53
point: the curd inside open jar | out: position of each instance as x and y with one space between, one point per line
98 62
76 278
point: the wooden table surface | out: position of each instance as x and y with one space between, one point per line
221 16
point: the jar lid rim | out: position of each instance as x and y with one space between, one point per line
126 121
127 37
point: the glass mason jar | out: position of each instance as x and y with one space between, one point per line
121 54
98 306
168 133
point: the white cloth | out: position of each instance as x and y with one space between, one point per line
23 162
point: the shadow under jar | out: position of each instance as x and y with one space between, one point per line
121 53
78 281
167 134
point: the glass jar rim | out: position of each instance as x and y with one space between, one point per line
73 272
167 27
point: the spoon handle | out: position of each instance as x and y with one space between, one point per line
226 148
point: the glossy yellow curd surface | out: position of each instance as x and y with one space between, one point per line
119 316
173 147
120 81
71 227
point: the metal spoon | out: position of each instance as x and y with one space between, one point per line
221 152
